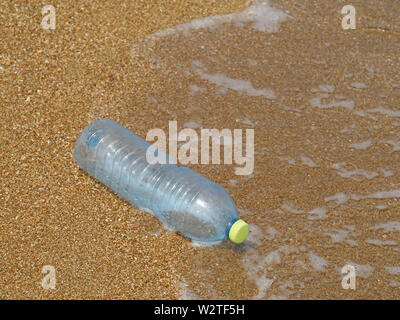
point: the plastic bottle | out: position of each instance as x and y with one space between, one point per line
182 199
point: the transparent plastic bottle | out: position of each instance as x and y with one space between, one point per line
182 199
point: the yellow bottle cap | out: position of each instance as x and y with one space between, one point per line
239 231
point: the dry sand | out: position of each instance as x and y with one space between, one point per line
99 62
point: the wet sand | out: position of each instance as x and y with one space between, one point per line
325 188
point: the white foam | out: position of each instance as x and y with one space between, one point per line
387 112
394 144
263 284
271 233
378 195
191 108
195 89
381 243
272 258
255 235
363 113
387 172
186 293
317 102
390 226
394 283
246 122
348 129
318 213
352 174
286 249
308 162
359 85
318 263
199 244
289 160
324 88
393 270
241 86
260 15
255 266
362 270
290 208
252 62
191 124
301 265
284 288
233 182
341 235
370 70
275 297
340 198
362 145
